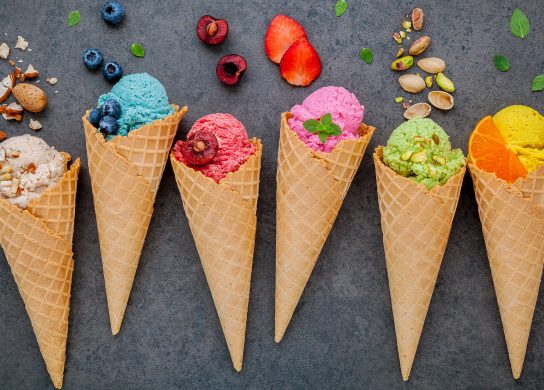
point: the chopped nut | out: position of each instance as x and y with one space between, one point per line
21 43
433 172
5 176
18 191
407 25
439 160
14 109
52 80
399 99
397 38
15 154
436 139
429 81
12 63
31 168
35 125
402 34
419 157
417 18
3 136
400 53
406 155
4 51
17 117
31 73
406 105
419 139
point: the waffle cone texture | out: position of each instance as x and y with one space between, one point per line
512 217
125 176
37 243
222 218
311 187
416 225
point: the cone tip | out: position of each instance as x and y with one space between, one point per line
115 329
516 371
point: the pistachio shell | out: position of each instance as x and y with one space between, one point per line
432 65
412 83
441 100
29 96
419 110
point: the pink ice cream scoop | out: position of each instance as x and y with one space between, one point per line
232 148
344 107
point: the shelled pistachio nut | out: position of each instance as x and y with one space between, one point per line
403 63
419 46
444 83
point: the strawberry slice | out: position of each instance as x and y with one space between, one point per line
300 64
281 34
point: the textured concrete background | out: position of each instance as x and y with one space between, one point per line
342 333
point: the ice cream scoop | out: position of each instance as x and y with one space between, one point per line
523 131
345 109
232 150
420 150
142 98
28 166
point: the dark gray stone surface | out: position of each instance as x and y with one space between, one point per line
342 333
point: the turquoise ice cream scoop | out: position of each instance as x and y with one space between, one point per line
143 99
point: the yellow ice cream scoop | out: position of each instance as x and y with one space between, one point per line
523 130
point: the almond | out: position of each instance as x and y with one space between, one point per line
21 43
32 98
31 73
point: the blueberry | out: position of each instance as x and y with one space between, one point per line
92 58
112 108
113 12
94 116
112 71
108 125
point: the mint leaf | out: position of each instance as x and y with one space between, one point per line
340 7
336 130
323 137
538 83
367 55
311 125
501 62
137 50
74 18
519 24
326 119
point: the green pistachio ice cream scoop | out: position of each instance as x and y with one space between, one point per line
420 150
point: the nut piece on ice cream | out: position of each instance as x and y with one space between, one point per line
28 166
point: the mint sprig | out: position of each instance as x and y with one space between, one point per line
538 83
501 62
324 127
519 24
74 18
137 50
340 7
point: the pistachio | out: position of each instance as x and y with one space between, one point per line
417 18
397 38
445 83
406 105
441 100
399 99
402 34
403 63
439 160
417 138
419 110
419 157
406 155
433 172
412 83
406 24
400 53
419 46
432 65
436 139
429 81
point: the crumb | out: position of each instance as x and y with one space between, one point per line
35 125
4 51
52 80
21 43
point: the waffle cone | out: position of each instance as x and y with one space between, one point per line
512 219
311 187
37 243
416 224
125 175
222 218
